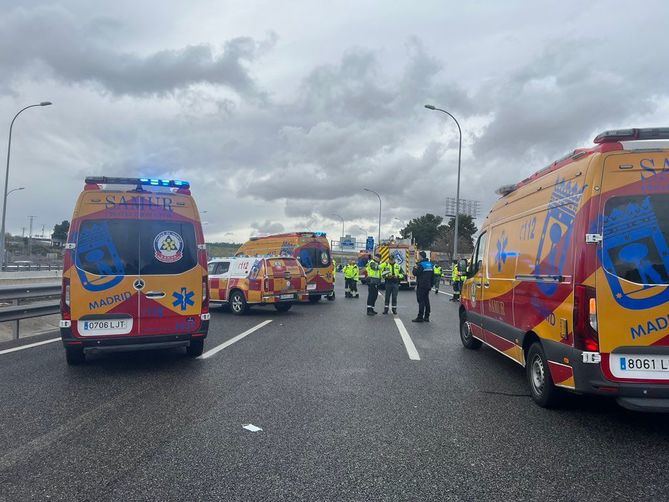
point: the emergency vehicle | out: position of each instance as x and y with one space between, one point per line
241 282
570 274
405 256
312 249
135 269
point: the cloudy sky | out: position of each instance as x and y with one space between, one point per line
279 113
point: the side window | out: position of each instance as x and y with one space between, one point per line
222 267
479 254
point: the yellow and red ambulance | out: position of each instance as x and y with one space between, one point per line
135 269
241 282
312 249
570 274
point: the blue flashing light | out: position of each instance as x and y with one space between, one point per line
320 234
103 180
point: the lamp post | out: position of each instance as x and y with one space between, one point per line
4 200
341 246
375 193
457 194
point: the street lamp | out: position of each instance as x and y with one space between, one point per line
15 190
375 193
4 200
341 246
457 194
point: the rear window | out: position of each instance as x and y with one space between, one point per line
136 247
635 234
314 257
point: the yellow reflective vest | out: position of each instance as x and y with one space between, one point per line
373 269
351 272
455 276
389 271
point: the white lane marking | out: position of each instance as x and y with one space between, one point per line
408 343
220 347
30 345
444 293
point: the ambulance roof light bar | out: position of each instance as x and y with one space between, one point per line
615 135
104 180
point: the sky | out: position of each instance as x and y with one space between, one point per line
280 113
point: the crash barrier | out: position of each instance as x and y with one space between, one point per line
28 300
29 267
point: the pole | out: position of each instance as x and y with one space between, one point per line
341 246
375 193
457 194
3 254
30 238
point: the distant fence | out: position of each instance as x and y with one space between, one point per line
27 301
12 267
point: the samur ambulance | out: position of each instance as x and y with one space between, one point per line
312 249
135 269
241 282
570 274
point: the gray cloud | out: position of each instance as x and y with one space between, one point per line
52 39
267 227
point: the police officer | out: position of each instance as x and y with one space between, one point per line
392 273
351 277
437 278
373 280
424 272
455 281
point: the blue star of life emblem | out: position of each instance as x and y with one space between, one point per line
183 299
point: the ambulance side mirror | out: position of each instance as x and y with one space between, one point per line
462 266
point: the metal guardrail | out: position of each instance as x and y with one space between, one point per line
33 267
28 300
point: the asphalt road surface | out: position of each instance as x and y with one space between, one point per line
345 413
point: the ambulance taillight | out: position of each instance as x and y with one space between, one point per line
205 295
65 299
585 319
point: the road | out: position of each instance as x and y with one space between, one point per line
345 413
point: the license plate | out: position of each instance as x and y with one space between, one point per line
640 366
100 327
287 297
311 287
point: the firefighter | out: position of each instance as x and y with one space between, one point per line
351 277
455 281
373 280
392 273
424 272
437 278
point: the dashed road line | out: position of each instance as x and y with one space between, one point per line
408 343
235 339
29 346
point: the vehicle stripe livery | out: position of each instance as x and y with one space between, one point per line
576 258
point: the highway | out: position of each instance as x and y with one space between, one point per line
346 414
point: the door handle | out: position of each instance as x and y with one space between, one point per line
155 294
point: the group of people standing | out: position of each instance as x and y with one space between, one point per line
390 273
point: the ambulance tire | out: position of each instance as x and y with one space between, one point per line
74 356
195 348
466 337
283 307
314 298
542 389
238 305
331 297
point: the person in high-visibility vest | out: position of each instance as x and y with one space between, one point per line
455 281
351 277
392 274
437 278
373 280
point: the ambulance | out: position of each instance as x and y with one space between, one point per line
241 282
570 274
135 269
312 249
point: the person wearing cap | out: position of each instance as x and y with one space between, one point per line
373 280
424 273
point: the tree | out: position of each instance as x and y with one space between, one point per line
60 231
425 230
466 232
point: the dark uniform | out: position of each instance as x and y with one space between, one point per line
392 273
424 272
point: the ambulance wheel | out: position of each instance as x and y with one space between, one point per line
314 298
466 336
195 348
283 307
238 304
74 355
542 389
331 297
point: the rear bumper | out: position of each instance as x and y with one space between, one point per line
131 343
590 379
